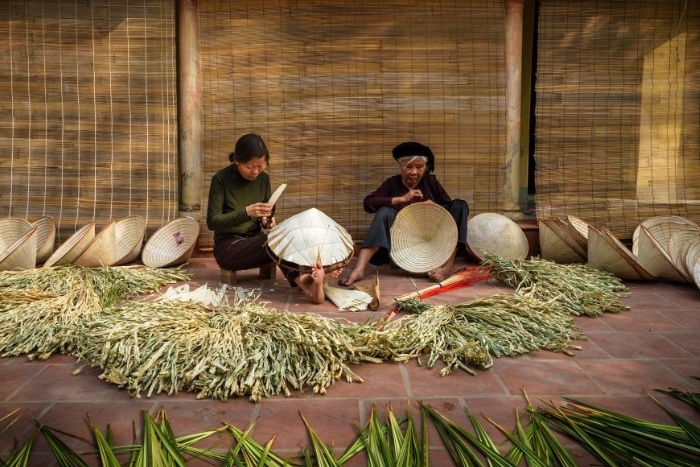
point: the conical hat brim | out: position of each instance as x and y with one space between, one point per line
662 228
308 237
678 247
654 258
45 237
607 253
21 254
554 248
102 250
580 225
73 247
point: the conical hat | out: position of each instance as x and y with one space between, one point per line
21 254
496 233
11 230
308 237
423 237
579 226
129 233
171 244
73 247
607 253
102 250
45 237
553 247
661 228
692 262
678 246
654 258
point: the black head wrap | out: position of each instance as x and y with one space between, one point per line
411 148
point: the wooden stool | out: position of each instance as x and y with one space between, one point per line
267 271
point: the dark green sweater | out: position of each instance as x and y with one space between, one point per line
229 194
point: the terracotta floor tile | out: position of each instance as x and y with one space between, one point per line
642 321
632 345
544 377
630 377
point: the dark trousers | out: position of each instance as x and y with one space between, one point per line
379 232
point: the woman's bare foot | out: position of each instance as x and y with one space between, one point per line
355 275
312 283
441 273
358 272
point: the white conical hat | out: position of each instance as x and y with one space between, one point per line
652 256
308 237
554 247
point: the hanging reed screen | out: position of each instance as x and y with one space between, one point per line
88 125
334 85
617 114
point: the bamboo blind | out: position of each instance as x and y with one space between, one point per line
333 85
88 125
617 113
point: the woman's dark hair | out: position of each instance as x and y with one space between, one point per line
249 147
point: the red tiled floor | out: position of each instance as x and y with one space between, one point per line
654 345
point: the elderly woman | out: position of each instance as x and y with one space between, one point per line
414 184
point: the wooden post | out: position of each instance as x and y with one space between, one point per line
514 56
189 110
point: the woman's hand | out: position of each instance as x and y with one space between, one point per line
267 223
413 195
259 210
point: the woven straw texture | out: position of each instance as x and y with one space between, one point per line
553 247
607 253
21 254
73 247
45 237
129 233
311 236
692 262
102 250
656 260
423 237
570 235
495 233
580 226
662 228
172 244
11 230
678 246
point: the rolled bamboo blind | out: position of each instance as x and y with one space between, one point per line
334 85
88 125
617 113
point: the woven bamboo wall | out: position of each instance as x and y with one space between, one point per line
334 85
617 114
88 125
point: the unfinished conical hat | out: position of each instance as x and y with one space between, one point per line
570 235
423 237
692 262
678 247
73 247
102 250
654 259
311 236
45 238
579 226
553 247
129 233
347 299
11 230
661 228
607 253
21 254
171 244
496 233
